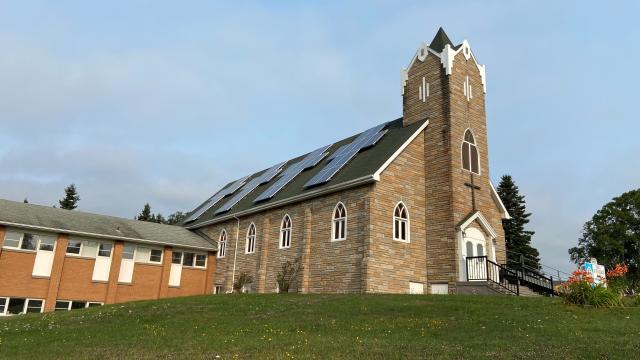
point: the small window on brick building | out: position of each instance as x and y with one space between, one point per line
285 233
74 247
470 157
250 246
155 256
222 244
217 289
401 223
339 223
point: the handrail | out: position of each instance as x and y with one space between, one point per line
480 268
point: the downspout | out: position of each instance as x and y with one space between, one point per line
235 254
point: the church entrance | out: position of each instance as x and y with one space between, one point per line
474 255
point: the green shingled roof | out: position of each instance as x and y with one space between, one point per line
76 222
364 164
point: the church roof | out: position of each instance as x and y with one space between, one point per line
73 222
363 168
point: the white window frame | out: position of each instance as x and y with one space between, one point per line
473 144
250 241
37 237
70 302
100 243
340 223
72 254
24 307
399 220
285 233
6 305
222 243
195 258
161 256
218 289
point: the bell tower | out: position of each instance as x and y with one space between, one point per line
445 85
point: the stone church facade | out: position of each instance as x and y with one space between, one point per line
400 216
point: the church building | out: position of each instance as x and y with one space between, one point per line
406 206
399 208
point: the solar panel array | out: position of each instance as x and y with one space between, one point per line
215 198
309 161
266 176
345 153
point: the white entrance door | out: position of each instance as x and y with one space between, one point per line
473 246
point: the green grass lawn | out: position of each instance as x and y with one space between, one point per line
327 326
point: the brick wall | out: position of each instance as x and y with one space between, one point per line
71 277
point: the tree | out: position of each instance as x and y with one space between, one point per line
612 236
71 198
26 201
176 218
518 240
145 215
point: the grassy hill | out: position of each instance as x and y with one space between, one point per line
327 326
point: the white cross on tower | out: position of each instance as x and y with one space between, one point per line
467 89
423 90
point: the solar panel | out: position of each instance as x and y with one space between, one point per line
345 153
215 198
266 176
309 161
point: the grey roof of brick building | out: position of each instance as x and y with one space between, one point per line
75 222
357 171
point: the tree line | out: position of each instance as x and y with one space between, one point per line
72 198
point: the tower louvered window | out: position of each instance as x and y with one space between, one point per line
470 157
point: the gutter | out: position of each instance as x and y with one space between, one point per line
235 255
101 236
311 194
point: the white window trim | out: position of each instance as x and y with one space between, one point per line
282 231
408 221
86 305
38 237
79 254
222 253
149 259
24 307
6 305
110 252
475 139
250 238
335 220
195 255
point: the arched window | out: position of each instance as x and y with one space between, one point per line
339 223
250 247
401 223
222 243
285 233
470 157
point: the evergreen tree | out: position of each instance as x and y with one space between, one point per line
145 215
71 198
518 240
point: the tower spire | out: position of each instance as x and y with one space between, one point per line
440 40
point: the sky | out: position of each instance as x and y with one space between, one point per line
166 101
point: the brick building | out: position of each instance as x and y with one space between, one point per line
400 208
396 209
54 259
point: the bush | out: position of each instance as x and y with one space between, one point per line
243 279
604 297
617 279
288 274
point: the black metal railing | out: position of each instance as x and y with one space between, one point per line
480 268
533 278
